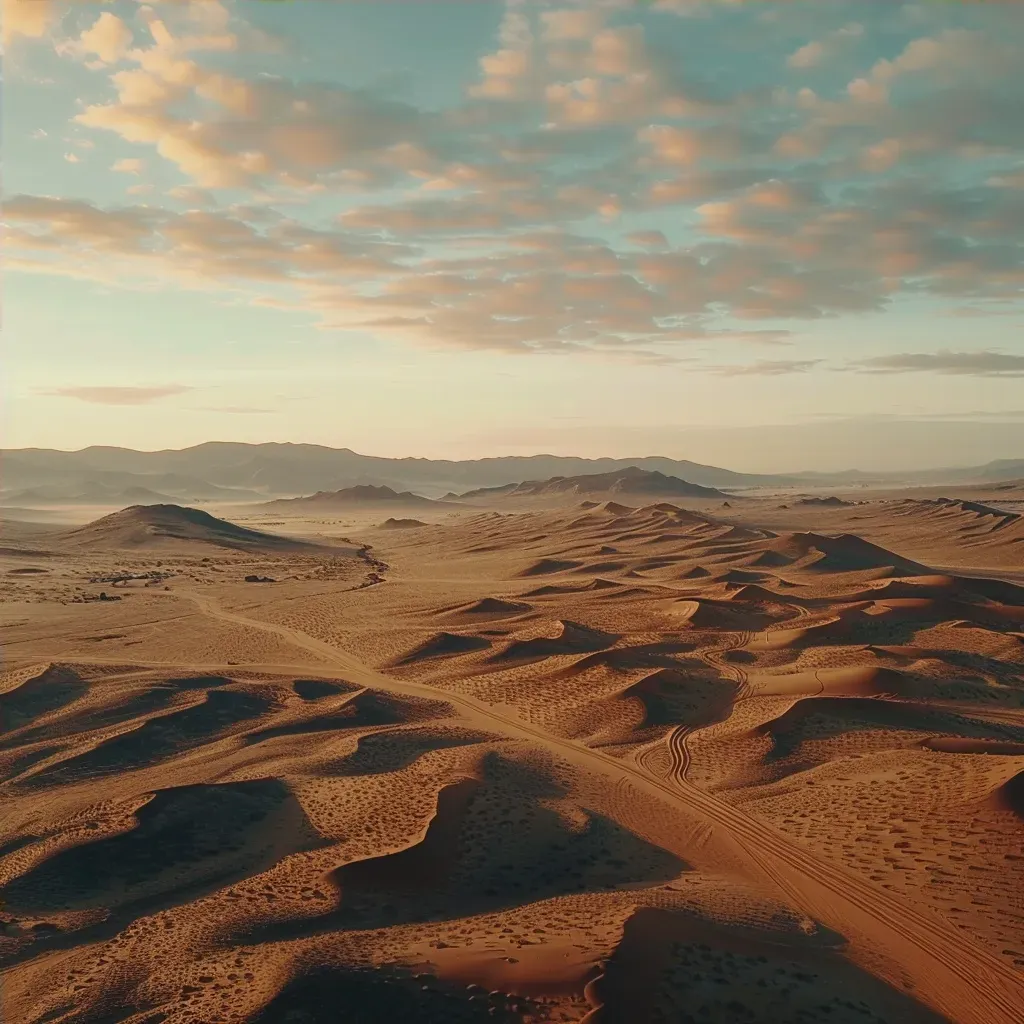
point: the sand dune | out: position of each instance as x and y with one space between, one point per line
1010 796
153 526
546 566
943 531
445 645
592 762
489 608
845 553
571 638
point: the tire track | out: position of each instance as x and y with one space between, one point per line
924 945
715 658
679 752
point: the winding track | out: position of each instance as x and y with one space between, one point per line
678 748
924 953
679 752
714 656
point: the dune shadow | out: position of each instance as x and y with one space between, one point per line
120 707
672 697
494 842
184 837
364 710
546 566
390 751
363 995
317 689
674 966
444 645
573 639
54 688
662 654
159 738
825 718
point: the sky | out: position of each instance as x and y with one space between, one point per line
766 235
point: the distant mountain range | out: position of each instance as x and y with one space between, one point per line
224 472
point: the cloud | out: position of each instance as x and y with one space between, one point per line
505 72
812 54
267 130
586 72
876 241
108 38
765 368
950 93
198 248
69 224
118 395
536 290
511 220
572 23
28 18
647 239
128 166
808 56
957 364
226 131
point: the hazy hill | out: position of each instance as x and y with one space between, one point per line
146 526
89 493
361 494
996 471
80 478
630 482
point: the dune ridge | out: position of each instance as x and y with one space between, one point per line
599 762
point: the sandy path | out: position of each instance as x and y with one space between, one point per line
932 960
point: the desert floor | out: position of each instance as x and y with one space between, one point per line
592 763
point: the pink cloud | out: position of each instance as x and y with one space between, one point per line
119 395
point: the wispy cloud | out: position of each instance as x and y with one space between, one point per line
239 409
934 416
765 368
955 364
118 395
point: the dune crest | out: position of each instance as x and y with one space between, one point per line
624 762
153 526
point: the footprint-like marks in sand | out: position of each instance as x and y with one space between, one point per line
669 966
811 721
162 737
365 709
379 753
381 996
187 840
495 840
54 688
